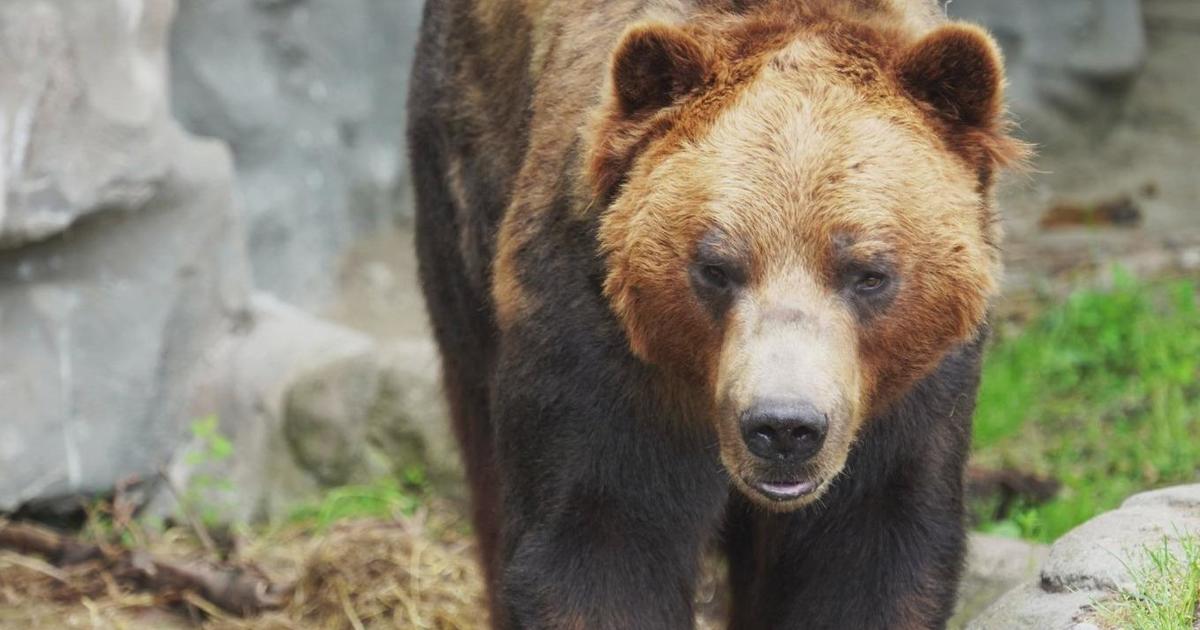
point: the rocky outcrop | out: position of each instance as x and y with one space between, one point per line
1092 562
86 126
307 405
310 97
126 304
120 248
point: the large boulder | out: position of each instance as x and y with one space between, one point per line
120 248
1093 562
85 125
305 405
310 96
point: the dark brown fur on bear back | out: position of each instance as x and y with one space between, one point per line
594 490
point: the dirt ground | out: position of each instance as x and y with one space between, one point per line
408 572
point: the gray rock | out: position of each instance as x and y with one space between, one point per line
124 281
124 250
1185 499
310 96
252 370
995 566
383 407
306 405
1031 608
1097 554
1092 562
85 125
326 416
416 410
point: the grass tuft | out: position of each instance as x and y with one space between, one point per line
1165 593
383 499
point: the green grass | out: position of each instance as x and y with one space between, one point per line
1101 392
1165 592
382 498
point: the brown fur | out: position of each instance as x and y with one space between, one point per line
879 105
933 100
594 151
904 130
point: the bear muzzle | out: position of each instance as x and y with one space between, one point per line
784 431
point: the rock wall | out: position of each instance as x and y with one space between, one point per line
306 405
310 97
128 307
1105 89
120 248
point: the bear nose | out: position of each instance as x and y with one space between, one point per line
789 431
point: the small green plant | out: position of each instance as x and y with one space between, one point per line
211 448
1165 591
214 446
383 498
1024 523
1102 393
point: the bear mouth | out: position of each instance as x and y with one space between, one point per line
789 490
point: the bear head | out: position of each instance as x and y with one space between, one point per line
798 221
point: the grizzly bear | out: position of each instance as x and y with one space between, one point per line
710 272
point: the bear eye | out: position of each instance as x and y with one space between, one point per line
870 282
715 276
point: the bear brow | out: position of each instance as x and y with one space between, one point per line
717 245
849 249
867 249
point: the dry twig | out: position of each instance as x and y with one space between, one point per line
238 590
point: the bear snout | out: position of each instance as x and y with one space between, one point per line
786 431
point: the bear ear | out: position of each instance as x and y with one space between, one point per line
958 70
653 66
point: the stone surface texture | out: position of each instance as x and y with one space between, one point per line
1092 562
307 405
309 95
128 308
120 247
86 125
1065 58
995 565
